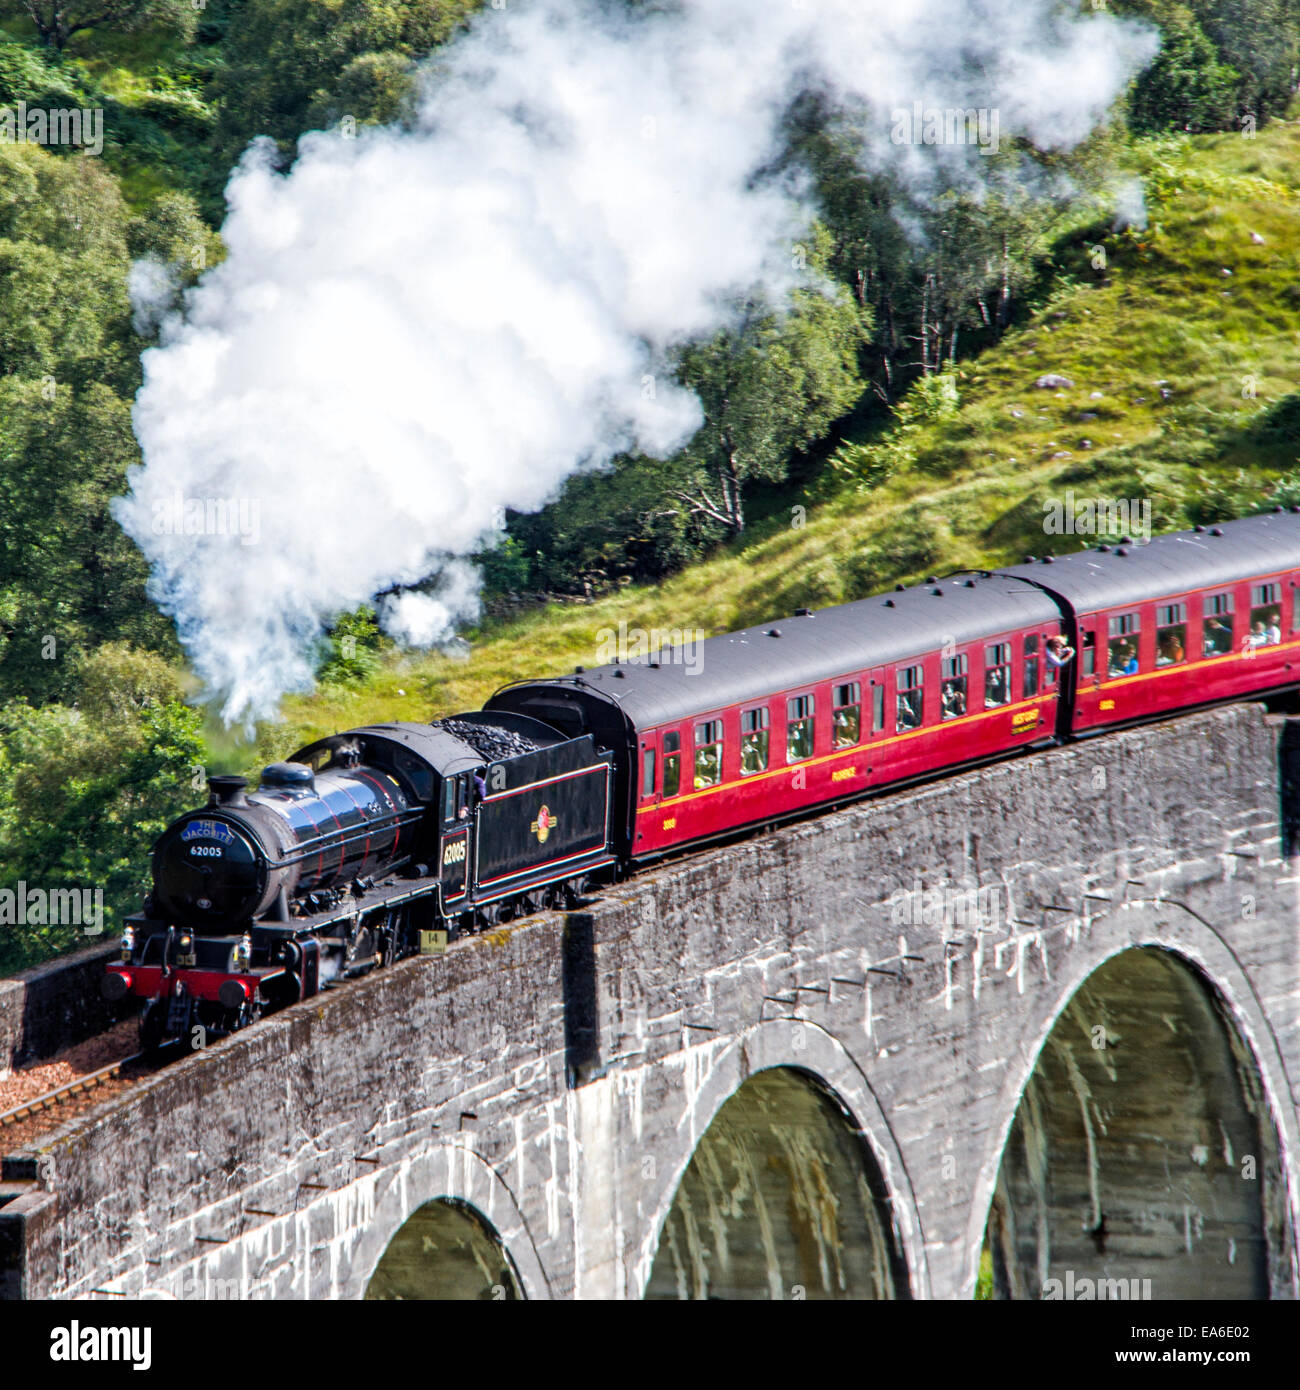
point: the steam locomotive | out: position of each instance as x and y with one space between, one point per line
390 839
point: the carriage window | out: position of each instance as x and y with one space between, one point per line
753 741
952 692
910 698
1122 649
846 720
1031 665
1218 624
1265 615
708 753
648 772
1295 608
1171 634
1089 653
997 674
799 728
878 707
672 764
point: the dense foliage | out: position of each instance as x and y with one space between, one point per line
87 785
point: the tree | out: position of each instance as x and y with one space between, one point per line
298 65
980 250
1248 67
57 20
1257 38
605 526
86 786
69 577
64 315
1186 87
770 386
34 75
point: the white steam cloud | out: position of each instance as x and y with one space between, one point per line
415 328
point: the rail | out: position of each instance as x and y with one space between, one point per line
62 1093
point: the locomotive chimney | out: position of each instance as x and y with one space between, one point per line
227 791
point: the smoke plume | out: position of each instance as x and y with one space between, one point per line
417 327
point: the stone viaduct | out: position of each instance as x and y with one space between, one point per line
1040 1020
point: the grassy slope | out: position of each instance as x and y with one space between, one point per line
1161 311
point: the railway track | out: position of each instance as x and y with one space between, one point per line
44 1095
60 1095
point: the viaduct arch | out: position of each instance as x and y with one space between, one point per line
912 957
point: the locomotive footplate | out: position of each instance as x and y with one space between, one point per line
364 904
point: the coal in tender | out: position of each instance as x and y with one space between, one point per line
491 744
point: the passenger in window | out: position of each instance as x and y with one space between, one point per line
1059 651
707 766
909 710
1123 659
995 686
1272 629
799 740
954 699
1218 637
1256 637
753 753
1171 650
846 726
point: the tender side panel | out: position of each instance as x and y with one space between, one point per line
575 713
542 832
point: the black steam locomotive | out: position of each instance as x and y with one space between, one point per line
360 849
